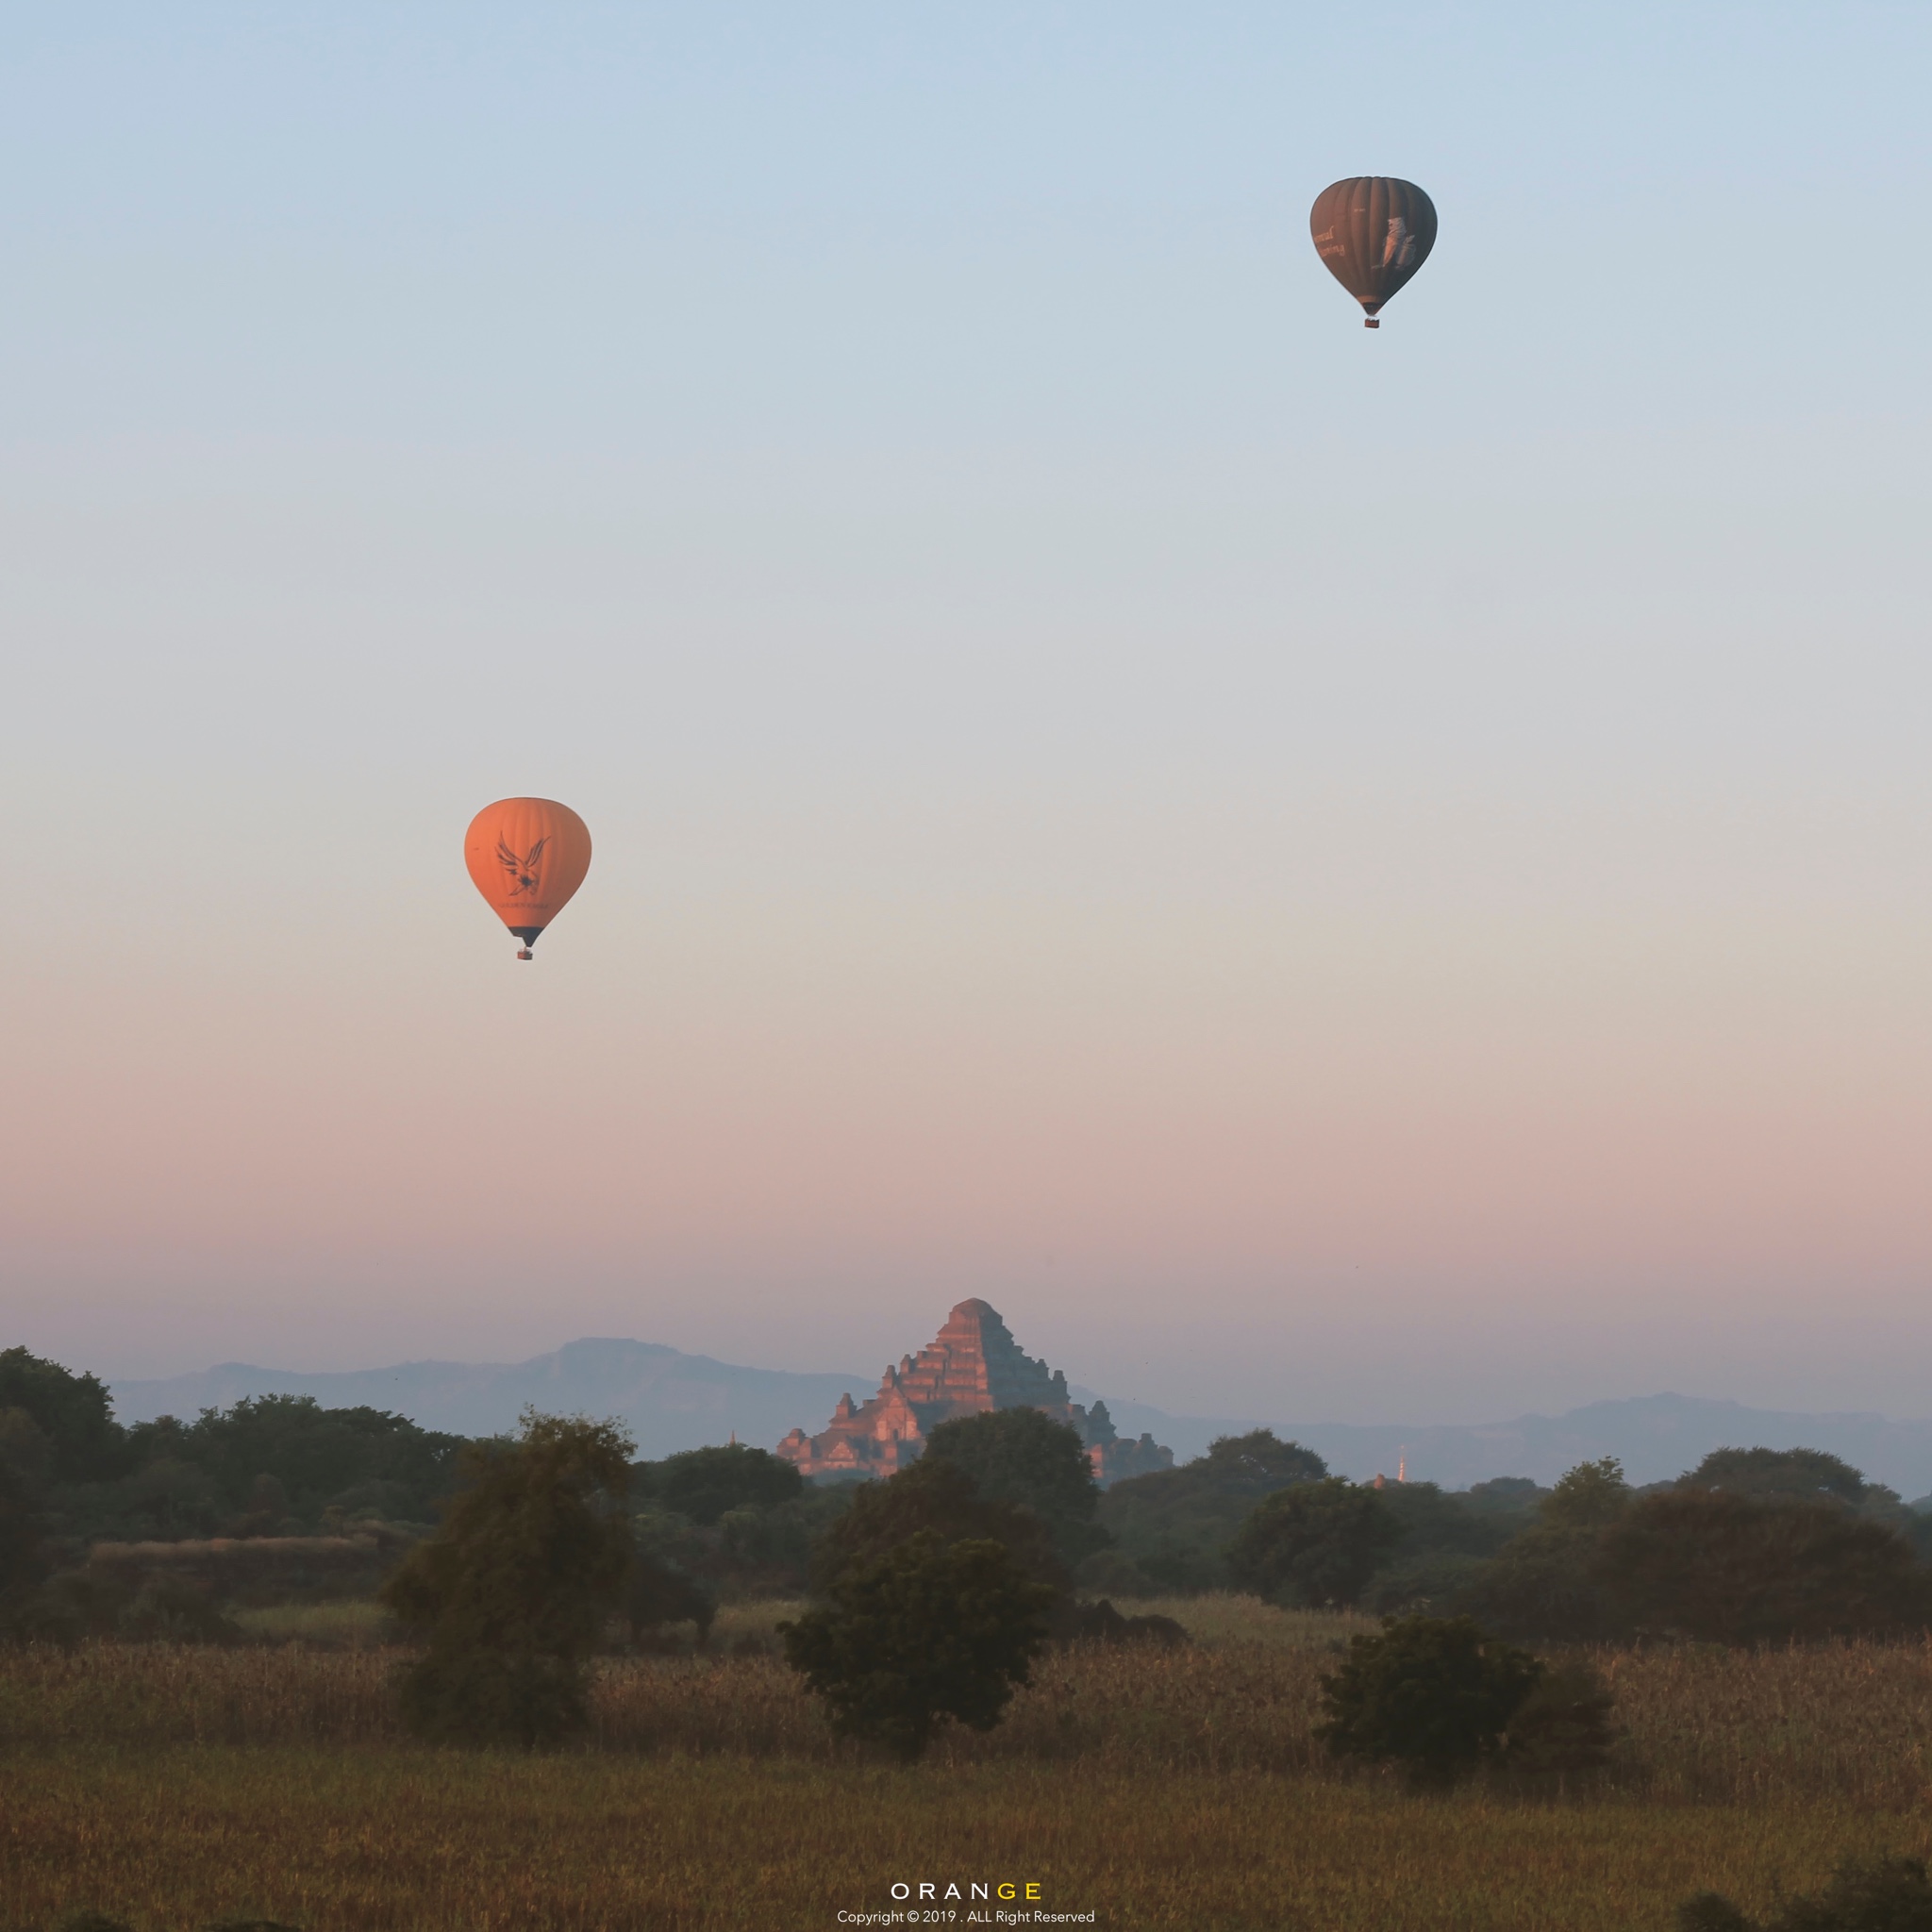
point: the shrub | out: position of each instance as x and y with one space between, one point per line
928 1631
1562 1728
1886 1895
513 1592
1434 1694
166 1610
657 1594
1313 1544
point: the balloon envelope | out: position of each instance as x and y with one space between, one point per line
1374 232
527 856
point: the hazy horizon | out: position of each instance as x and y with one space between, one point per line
1379 874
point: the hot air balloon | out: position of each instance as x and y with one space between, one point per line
1374 232
527 856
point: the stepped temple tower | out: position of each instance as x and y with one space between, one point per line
972 1365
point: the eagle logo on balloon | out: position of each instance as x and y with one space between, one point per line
524 871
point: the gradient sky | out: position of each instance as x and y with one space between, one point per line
1328 874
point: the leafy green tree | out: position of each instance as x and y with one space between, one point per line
1314 1543
1442 1545
1172 1528
938 1498
1505 1497
1589 1496
354 1459
1434 1694
1730 1569
74 1413
928 1631
511 1594
1022 1455
1260 1459
1803 1474
1546 1582
703 1484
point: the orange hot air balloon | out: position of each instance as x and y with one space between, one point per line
527 856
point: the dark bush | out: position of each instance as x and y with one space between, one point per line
1885 1895
928 1632
1563 1729
166 1610
658 1594
1103 1624
1434 1694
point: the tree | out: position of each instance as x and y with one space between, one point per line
1022 1455
74 1413
1730 1569
1259 1460
1546 1582
1313 1544
1805 1475
351 1459
1442 1547
1588 1496
937 1497
1434 1694
1172 1528
928 1631
703 1484
511 1594
21 1564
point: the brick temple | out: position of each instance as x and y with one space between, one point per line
972 1365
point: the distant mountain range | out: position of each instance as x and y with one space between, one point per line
671 1401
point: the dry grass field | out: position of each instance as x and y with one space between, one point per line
172 1787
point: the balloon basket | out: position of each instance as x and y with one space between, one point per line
1370 322
525 953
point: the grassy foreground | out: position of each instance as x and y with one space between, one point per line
173 1788
368 1838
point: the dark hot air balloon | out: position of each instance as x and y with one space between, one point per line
1374 232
